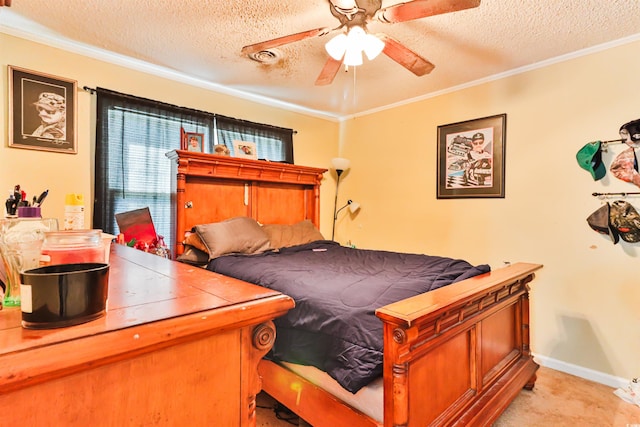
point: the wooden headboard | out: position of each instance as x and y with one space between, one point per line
211 188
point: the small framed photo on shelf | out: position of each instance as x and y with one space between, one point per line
193 142
245 150
42 111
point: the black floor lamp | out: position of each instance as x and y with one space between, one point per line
340 165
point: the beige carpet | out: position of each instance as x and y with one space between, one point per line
558 400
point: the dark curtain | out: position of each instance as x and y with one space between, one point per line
133 134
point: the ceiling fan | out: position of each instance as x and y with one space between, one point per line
356 14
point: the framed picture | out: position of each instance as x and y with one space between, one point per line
193 142
246 150
42 111
471 158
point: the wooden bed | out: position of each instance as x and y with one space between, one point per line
457 355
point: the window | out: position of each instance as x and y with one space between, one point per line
132 136
269 140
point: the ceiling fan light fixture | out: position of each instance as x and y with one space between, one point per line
337 46
373 46
352 57
352 45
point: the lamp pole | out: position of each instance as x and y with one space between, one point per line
335 204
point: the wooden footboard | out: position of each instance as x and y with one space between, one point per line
456 356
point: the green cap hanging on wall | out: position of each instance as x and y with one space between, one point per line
590 159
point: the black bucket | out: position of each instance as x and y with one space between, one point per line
62 295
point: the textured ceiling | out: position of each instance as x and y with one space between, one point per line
203 39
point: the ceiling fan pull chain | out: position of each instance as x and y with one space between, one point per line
354 84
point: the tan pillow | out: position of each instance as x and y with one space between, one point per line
194 240
282 236
236 235
193 256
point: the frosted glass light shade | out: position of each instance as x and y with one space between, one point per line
354 206
340 163
373 46
337 46
352 45
352 57
355 43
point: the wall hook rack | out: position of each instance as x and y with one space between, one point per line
621 194
605 144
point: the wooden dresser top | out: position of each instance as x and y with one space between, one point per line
152 302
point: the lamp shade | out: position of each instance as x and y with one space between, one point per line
349 47
352 57
354 206
340 163
337 46
373 46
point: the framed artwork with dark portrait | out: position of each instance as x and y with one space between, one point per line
471 158
42 111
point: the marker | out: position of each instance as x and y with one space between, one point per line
41 198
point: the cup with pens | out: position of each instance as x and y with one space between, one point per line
18 205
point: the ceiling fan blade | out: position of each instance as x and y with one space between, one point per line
405 56
329 71
258 47
421 9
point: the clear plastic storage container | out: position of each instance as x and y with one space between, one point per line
72 247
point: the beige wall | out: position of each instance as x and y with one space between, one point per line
315 143
586 300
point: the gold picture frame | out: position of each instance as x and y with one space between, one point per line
42 111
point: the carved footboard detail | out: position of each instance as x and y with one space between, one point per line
264 335
460 354
259 339
400 394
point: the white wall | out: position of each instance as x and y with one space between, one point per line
586 299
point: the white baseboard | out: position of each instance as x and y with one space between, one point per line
579 371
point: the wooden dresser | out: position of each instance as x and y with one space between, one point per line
179 345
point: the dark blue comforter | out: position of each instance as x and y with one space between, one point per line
337 290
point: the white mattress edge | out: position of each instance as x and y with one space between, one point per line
368 400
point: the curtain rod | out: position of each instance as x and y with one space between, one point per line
92 91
